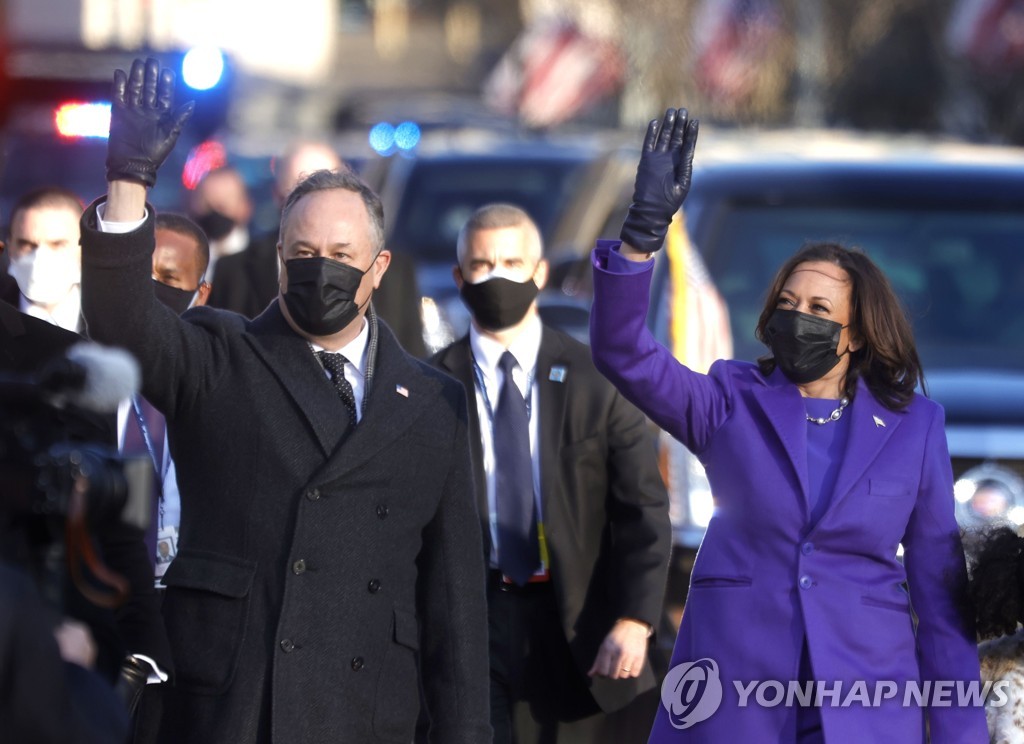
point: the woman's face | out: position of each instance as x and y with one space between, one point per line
823 289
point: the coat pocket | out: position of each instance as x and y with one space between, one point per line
720 582
397 704
205 610
895 605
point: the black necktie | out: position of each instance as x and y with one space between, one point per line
335 366
518 547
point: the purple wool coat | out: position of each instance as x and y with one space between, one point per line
765 580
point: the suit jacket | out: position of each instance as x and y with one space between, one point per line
26 345
9 291
315 573
247 282
605 506
765 579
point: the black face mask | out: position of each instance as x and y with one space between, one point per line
499 302
321 296
804 345
178 300
217 226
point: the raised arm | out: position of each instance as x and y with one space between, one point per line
686 404
118 239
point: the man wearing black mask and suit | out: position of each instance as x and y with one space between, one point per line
573 508
248 281
329 565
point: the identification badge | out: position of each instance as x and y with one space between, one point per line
166 549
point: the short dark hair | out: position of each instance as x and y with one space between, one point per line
495 216
53 197
888 359
326 180
182 225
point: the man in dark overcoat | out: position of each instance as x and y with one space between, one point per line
329 564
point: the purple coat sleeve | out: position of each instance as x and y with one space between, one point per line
937 578
688 405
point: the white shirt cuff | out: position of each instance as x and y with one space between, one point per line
118 227
156 674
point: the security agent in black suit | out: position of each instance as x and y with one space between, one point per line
576 587
247 281
330 547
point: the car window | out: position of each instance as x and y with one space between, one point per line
959 274
440 197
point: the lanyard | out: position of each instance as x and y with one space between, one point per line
479 376
161 471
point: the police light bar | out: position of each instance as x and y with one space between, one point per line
385 138
76 119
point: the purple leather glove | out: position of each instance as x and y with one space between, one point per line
662 180
143 126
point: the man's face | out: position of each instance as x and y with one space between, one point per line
223 192
507 250
177 263
332 224
48 228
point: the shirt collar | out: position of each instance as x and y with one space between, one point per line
524 347
66 314
354 350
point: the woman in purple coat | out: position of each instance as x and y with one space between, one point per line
823 460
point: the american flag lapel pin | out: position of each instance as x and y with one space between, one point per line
558 373
878 422
402 390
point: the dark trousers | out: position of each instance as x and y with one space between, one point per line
538 695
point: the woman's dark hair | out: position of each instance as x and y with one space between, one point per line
996 568
887 358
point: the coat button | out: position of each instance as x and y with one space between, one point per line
382 511
807 548
313 494
287 646
299 567
374 586
806 582
357 663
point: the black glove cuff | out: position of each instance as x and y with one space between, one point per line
140 171
644 229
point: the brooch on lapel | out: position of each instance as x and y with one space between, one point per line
878 422
558 373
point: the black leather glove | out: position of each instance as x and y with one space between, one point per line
143 126
662 180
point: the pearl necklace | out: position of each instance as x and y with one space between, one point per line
834 416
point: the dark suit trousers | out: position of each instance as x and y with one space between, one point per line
538 695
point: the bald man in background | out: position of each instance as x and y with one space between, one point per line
248 281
